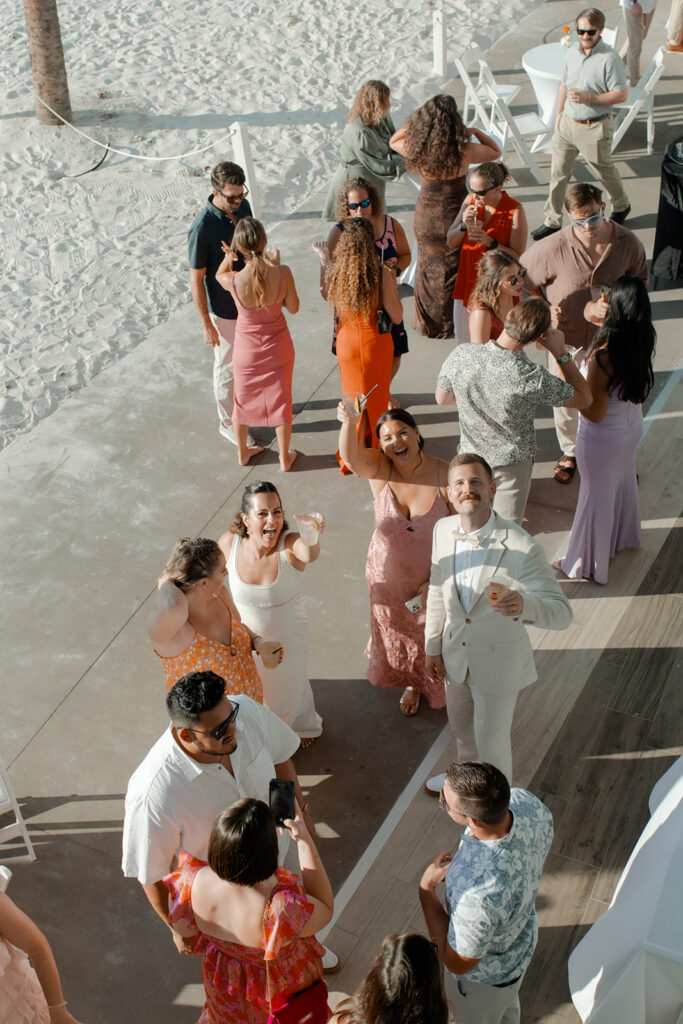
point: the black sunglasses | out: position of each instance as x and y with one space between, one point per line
517 277
482 191
587 31
219 732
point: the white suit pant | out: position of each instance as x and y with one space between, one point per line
481 723
473 1002
223 377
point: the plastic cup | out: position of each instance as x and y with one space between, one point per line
308 526
270 653
494 591
353 402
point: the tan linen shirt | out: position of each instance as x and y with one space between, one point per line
562 266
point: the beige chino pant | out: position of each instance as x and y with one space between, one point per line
594 143
636 30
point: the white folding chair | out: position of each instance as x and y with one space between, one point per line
640 97
475 95
5 877
507 129
9 805
610 36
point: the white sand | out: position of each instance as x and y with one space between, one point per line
91 263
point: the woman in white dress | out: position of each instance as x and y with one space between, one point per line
30 991
265 562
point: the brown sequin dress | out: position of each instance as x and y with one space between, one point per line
435 210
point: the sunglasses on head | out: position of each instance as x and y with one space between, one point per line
587 32
364 203
219 732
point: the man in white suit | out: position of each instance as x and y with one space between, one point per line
480 646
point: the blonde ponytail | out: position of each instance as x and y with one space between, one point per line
250 240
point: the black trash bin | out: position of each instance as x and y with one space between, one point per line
667 263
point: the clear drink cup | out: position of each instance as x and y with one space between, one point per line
269 650
494 591
353 402
308 525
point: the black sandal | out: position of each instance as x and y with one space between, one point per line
565 464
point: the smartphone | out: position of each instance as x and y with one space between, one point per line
281 799
414 604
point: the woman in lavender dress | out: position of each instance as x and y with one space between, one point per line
619 371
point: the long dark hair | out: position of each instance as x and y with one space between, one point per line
435 138
403 986
628 337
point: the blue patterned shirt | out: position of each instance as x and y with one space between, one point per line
491 889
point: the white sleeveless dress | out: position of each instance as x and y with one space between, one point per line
276 611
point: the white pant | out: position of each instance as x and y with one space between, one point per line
481 723
223 377
473 1002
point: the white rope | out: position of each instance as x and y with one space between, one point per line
122 152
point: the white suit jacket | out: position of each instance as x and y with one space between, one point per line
494 648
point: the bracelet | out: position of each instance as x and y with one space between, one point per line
256 637
494 243
57 1006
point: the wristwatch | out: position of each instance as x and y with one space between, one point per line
564 358
494 243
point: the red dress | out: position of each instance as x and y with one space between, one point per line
500 227
365 357
234 976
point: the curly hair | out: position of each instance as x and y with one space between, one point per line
353 274
435 138
490 274
371 103
192 559
341 205
403 986
250 239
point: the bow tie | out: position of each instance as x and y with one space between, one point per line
467 538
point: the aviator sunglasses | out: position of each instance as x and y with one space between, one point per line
364 203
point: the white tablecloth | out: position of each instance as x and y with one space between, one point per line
628 969
543 65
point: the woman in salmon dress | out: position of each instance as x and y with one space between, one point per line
409 488
361 291
196 627
438 147
256 922
489 219
263 357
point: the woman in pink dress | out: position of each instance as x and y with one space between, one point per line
263 358
409 488
256 922
30 992
619 371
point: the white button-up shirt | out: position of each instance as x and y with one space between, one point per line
173 800
468 560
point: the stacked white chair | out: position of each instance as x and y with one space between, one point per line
509 130
9 805
475 94
640 97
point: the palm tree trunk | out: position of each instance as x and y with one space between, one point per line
47 60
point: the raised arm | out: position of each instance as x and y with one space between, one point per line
300 550
313 874
224 274
485 148
170 613
458 229
365 462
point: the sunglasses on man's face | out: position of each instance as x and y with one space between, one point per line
587 32
219 732
364 203
582 221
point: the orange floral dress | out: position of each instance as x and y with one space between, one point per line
234 976
235 663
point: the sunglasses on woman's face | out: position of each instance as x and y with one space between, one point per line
586 32
512 281
364 203
482 191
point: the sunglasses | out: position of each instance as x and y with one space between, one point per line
587 32
364 203
517 277
235 199
582 221
219 732
482 191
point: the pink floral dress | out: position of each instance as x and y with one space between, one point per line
235 976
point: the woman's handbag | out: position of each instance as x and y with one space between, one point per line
307 1007
383 319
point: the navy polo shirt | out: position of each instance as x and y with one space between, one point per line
209 229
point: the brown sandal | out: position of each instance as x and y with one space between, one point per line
566 465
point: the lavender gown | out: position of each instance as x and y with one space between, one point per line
607 515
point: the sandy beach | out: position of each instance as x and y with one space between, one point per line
94 261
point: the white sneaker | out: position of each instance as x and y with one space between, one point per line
330 961
229 434
434 785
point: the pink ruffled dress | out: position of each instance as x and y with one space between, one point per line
21 997
234 976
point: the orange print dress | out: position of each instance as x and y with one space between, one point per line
234 976
234 663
